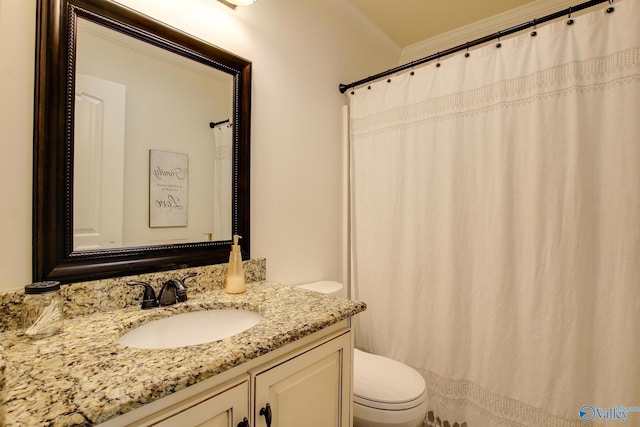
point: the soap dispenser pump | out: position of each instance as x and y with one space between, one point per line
235 272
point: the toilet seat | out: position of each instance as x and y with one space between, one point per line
383 383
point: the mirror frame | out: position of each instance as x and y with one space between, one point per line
53 254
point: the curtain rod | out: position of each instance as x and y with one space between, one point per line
565 12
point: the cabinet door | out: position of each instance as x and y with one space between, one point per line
311 389
224 408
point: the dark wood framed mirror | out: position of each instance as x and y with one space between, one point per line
142 244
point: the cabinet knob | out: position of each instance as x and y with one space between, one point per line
244 423
266 411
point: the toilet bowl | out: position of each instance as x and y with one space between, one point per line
386 393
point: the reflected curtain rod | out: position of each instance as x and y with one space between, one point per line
214 124
565 12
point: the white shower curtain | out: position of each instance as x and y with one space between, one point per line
496 224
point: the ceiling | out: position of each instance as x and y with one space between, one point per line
410 21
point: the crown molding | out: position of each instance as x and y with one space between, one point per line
481 28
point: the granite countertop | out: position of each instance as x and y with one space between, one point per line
83 376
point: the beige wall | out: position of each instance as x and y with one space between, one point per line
300 49
17 35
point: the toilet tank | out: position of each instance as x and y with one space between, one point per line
325 287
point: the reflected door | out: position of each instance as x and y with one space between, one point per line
98 163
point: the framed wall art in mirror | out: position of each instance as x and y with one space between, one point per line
141 145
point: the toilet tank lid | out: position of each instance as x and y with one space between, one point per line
323 286
380 379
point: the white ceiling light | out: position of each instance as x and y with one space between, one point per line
242 2
233 3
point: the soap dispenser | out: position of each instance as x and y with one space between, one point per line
235 273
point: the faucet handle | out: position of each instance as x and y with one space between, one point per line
186 276
149 298
181 288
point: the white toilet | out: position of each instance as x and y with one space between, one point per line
386 393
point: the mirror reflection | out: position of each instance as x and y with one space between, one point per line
129 175
153 138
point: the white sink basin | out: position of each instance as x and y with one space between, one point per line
198 327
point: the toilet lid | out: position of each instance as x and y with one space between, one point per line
324 287
384 383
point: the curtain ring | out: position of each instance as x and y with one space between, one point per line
438 59
498 45
466 55
570 21
535 26
610 8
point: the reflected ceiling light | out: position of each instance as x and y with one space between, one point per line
234 3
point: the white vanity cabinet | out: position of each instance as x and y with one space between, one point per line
222 407
206 404
306 383
310 388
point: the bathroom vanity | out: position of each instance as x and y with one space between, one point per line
297 359
307 385
295 363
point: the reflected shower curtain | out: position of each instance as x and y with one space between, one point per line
496 225
223 141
